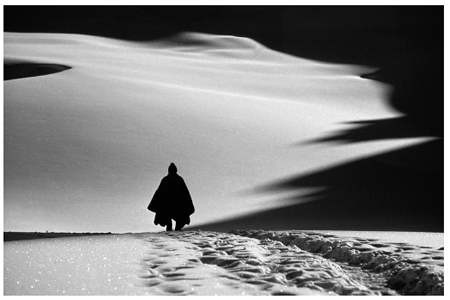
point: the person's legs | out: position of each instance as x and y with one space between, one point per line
169 225
179 226
181 222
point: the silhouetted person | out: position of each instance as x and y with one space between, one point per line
172 201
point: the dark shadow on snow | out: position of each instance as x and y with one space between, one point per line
378 129
387 192
24 70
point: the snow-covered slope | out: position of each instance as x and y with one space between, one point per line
86 148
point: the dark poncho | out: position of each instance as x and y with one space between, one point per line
172 201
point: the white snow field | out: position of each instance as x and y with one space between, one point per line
245 262
85 148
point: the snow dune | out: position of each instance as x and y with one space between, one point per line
86 148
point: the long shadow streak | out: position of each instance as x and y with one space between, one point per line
387 192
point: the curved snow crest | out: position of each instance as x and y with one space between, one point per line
408 269
212 47
194 41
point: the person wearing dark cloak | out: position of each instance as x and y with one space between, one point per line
172 200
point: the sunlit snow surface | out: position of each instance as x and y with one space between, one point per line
81 265
198 263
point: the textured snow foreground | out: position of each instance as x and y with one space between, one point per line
244 262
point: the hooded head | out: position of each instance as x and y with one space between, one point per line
172 169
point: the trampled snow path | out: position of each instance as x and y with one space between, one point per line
235 265
416 269
245 262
